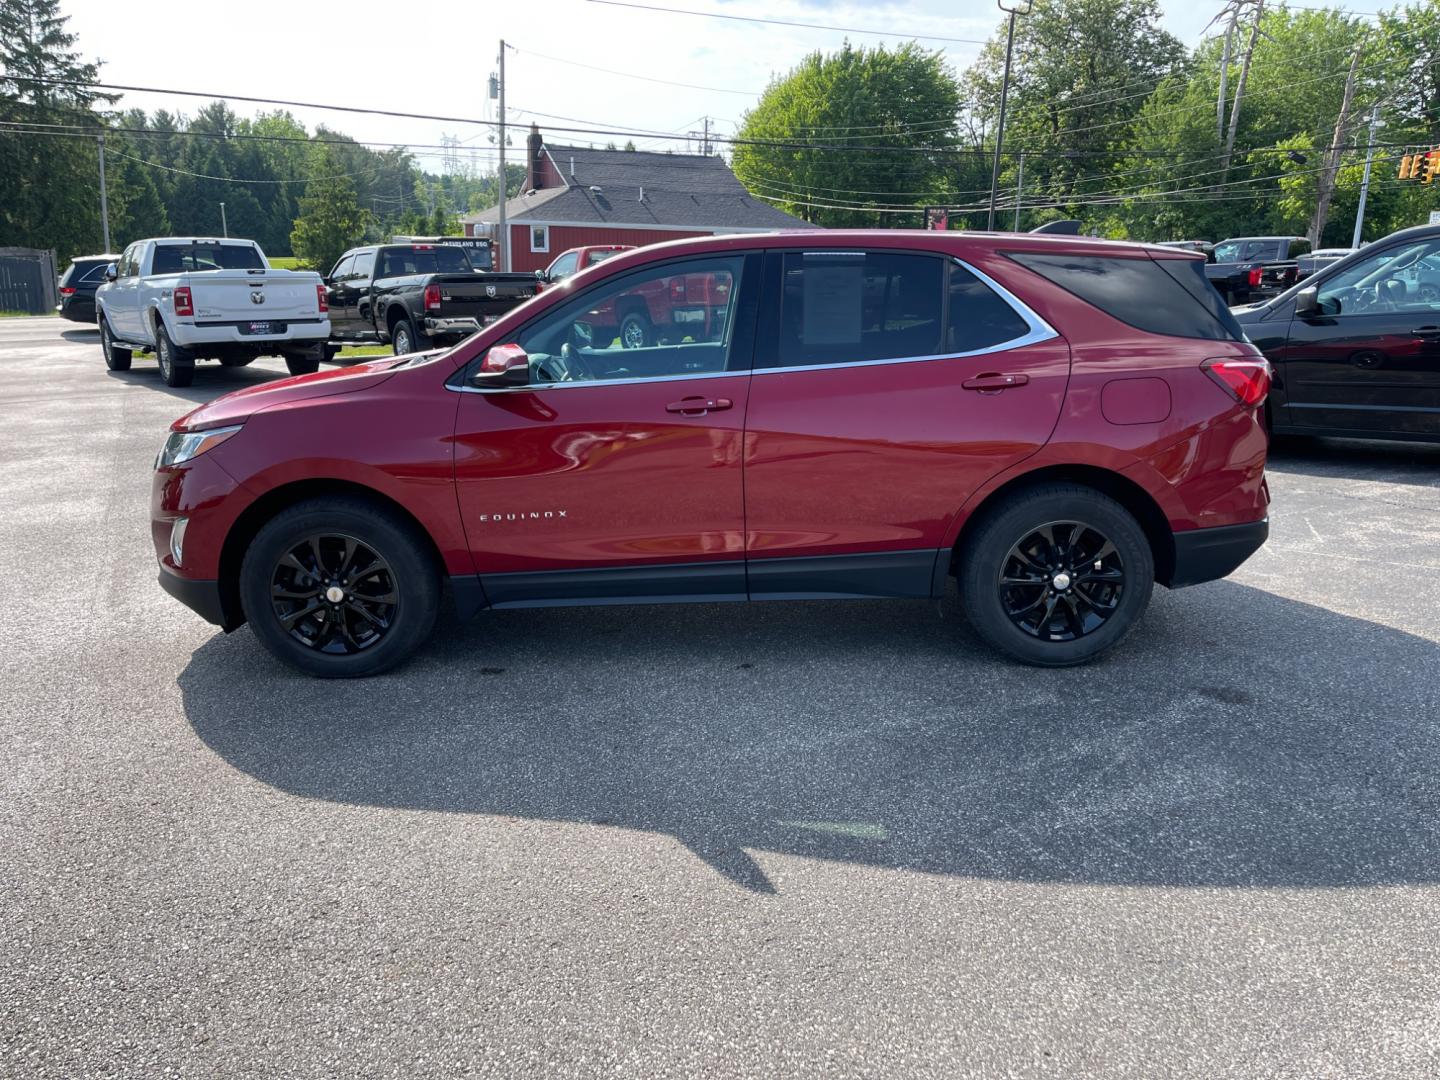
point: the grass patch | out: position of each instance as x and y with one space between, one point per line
350 352
24 314
285 262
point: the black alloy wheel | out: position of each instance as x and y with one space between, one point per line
1055 574
334 594
1062 581
340 586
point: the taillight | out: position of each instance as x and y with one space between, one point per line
1255 276
677 289
432 297
1247 381
182 301
324 300
66 290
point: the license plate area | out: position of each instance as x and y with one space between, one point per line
262 327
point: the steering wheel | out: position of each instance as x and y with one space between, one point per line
569 366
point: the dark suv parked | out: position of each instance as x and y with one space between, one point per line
1057 422
1356 347
82 277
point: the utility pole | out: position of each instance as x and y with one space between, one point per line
705 146
1019 190
1325 182
104 201
224 228
504 237
1022 7
1365 181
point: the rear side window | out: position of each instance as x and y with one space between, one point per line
1159 296
977 318
846 307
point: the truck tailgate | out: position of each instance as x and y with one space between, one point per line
275 296
482 296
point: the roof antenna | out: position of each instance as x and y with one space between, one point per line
642 192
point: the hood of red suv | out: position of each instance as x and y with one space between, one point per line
242 404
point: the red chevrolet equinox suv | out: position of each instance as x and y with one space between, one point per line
1056 422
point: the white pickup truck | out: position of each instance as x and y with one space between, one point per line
199 298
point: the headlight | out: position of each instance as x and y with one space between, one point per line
181 446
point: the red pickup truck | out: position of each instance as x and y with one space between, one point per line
664 311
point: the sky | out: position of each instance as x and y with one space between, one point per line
293 50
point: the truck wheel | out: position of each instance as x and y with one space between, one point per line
1056 575
303 363
116 359
177 367
635 331
339 587
403 336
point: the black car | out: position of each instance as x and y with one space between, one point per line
1247 268
82 277
1356 347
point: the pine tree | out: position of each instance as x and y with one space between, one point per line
330 215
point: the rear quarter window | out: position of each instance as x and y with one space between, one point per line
1160 296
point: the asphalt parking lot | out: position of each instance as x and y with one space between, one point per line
784 840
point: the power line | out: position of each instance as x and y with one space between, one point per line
788 22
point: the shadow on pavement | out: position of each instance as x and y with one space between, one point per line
82 334
211 380
1396 462
1239 739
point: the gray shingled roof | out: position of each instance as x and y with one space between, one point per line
681 190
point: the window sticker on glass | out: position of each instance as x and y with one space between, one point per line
832 302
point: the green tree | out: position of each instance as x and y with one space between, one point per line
1081 74
803 146
51 181
331 219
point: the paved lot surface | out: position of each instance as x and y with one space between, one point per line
781 840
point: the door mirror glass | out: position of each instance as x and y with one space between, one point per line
504 365
110 272
1306 303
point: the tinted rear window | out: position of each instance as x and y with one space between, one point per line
396 262
183 258
1159 296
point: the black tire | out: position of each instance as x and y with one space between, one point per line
303 363
1076 570
177 367
403 336
314 643
116 358
636 331
236 361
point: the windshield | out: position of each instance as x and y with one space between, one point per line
423 260
182 258
1246 250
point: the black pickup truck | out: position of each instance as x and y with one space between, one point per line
417 296
1251 268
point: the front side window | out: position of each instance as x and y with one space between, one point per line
1404 278
674 319
341 271
539 238
563 267
846 307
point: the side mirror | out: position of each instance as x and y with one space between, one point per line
110 272
503 365
542 277
1306 302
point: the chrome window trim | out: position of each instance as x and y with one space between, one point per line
1038 330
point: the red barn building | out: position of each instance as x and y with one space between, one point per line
576 197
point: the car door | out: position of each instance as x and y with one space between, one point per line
888 386
1367 359
357 293
340 295
122 298
613 473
